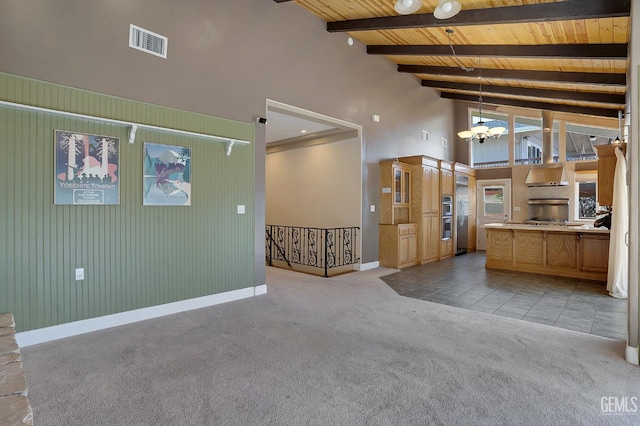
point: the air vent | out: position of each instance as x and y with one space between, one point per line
147 41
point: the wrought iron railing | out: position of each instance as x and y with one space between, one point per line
319 248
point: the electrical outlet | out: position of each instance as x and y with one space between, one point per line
240 209
373 208
79 274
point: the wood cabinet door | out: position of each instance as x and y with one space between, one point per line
397 186
434 243
407 250
434 198
430 238
528 247
447 182
471 242
562 250
473 189
426 189
404 250
500 245
413 248
594 253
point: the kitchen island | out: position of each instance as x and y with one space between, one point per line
567 251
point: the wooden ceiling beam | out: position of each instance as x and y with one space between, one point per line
610 79
556 11
572 109
576 51
609 98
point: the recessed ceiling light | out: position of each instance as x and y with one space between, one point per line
303 131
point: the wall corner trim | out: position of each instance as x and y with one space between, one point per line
369 265
47 334
632 355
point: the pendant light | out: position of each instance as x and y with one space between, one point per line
480 131
406 7
447 9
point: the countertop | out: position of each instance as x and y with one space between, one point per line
546 228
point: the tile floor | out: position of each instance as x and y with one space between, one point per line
570 303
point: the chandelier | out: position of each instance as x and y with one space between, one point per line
480 131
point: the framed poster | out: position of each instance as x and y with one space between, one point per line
167 175
86 169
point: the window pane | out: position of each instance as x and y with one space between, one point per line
581 140
587 204
491 152
493 201
528 140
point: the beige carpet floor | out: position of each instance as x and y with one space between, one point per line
340 351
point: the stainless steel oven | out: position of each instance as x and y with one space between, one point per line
446 227
447 205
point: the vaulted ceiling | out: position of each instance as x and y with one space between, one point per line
560 55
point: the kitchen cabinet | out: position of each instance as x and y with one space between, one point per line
446 248
447 185
398 236
395 192
430 238
606 170
551 250
425 204
500 248
562 250
446 178
398 245
528 248
594 253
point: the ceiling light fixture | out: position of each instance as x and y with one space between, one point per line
447 9
406 7
480 131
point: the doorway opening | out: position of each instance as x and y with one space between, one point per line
313 190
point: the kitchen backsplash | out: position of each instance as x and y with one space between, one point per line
521 193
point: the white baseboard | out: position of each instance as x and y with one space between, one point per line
633 355
367 266
55 332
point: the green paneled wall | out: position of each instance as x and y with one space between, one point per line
133 256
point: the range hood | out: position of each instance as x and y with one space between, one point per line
548 173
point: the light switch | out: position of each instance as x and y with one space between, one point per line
373 208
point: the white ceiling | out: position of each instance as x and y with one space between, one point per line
281 126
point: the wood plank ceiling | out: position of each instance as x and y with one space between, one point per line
561 55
